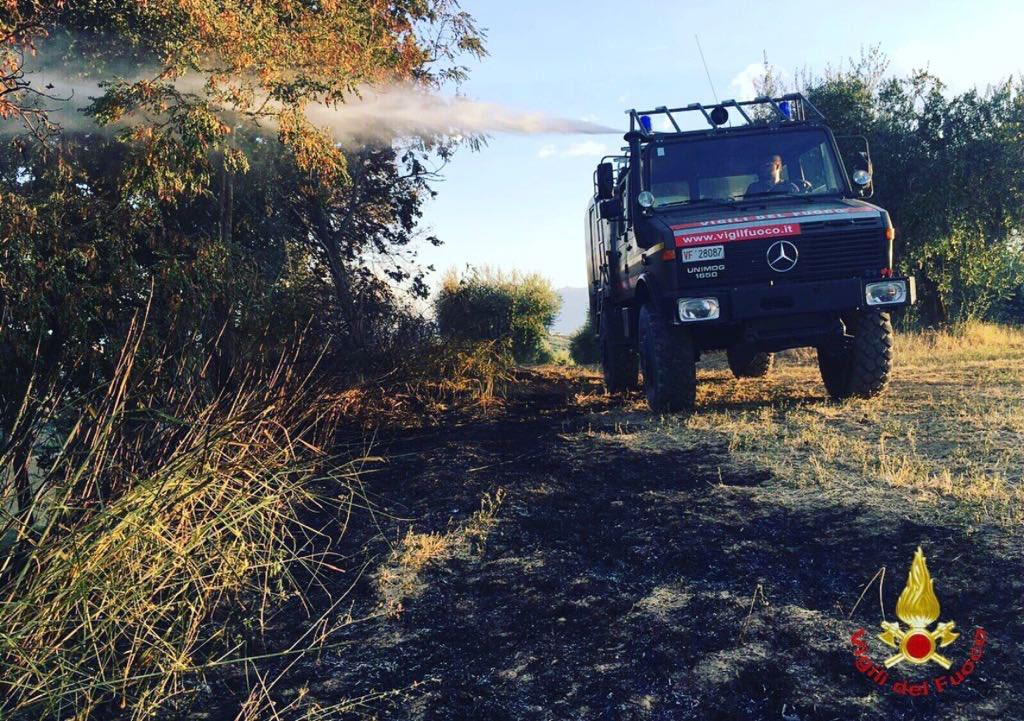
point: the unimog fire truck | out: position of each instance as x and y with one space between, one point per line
750 238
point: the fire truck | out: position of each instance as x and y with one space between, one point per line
750 233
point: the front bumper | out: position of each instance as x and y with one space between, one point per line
767 300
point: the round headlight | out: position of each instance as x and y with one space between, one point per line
646 199
861 177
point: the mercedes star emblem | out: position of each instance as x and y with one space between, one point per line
782 256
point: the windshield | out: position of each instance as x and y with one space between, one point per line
727 168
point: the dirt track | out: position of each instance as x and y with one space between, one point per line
623 582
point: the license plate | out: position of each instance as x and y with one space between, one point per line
702 253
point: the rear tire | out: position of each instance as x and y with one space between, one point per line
619 363
750 365
860 366
669 363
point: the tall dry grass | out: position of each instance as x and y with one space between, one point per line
163 500
154 512
971 340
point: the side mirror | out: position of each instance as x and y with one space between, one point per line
605 181
610 209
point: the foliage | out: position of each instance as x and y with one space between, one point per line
493 306
203 192
263 60
1012 311
156 253
583 346
949 167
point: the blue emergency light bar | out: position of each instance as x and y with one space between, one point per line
792 107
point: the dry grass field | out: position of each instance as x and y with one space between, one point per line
551 552
949 431
705 567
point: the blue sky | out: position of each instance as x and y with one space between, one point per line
519 202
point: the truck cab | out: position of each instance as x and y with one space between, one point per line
752 238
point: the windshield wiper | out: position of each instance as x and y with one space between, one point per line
764 194
769 194
721 202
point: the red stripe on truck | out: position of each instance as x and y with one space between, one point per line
735 235
774 216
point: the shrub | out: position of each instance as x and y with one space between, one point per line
561 358
489 306
583 345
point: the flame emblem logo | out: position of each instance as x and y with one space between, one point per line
918 608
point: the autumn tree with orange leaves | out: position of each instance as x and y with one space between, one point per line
180 178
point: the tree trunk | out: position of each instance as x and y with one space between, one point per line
329 240
931 307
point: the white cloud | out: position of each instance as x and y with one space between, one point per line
742 84
583 148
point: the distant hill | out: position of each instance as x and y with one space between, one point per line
574 310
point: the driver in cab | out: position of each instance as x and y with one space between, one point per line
770 180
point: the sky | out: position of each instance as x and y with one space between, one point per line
518 203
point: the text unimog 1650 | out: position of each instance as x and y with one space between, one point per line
750 239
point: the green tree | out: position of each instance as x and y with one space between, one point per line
583 345
949 167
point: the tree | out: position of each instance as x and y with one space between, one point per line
950 170
189 197
362 230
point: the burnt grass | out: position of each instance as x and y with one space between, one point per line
622 583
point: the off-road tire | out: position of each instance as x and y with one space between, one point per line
619 362
669 363
750 365
859 367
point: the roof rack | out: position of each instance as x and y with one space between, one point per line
787 108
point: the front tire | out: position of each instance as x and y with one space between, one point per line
859 366
669 362
744 364
619 363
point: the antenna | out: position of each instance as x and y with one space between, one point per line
706 71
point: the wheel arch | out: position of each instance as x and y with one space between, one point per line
647 290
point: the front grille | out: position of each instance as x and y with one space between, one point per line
837 249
